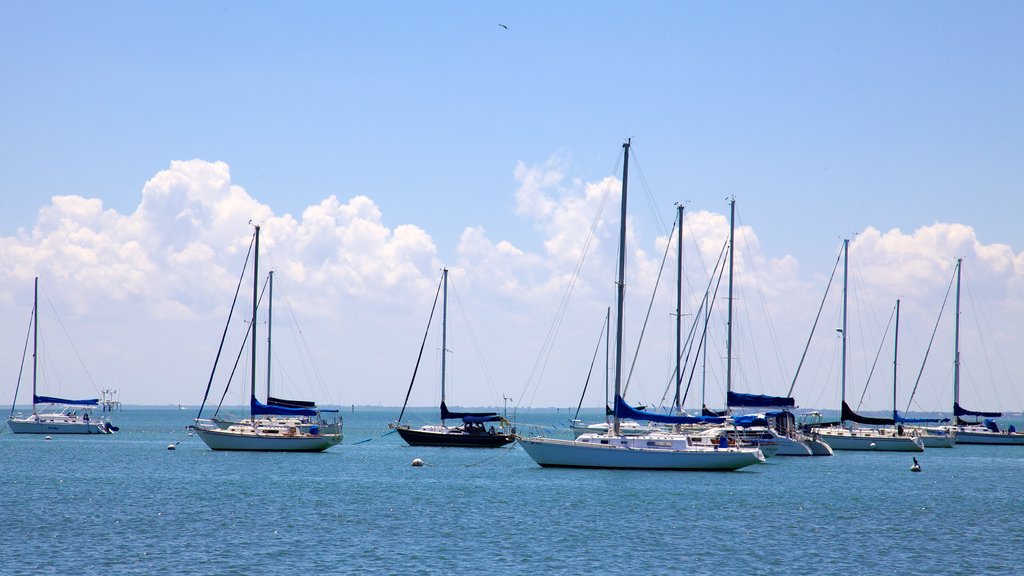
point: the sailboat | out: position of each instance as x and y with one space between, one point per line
877 439
985 431
783 439
279 425
655 451
75 415
472 432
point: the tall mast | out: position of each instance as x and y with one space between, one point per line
444 329
895 356
620 289
728 342
270 319
704 353
956 341
35 341
255 296
679 306
846 270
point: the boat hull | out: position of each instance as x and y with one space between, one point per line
218 439
873 443
993 438
43 425
791 447
818 447
551 452
454 439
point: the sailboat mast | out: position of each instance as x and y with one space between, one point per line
728 342
956 341
35 341
679 306
846 270
620 288
255 297
444 329
270 319
895 357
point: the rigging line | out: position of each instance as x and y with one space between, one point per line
226 325
691 336
931 341
817 317
472 338
305 345
600 340
540 364
878 353
652 204
774 337
643 329
242 349
21 369
710 298
71 342
419 356
978 318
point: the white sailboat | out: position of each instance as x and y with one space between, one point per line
278 425
781 440
73 417
662 451
986 431
857 438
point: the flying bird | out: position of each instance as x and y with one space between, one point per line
503 26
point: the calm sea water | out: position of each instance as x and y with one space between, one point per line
124 504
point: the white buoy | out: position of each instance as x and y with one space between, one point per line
47 438
872 445
916 467
172 446
417 462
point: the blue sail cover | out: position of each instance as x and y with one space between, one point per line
258 407
55 400
481 419
623 410
896 417
749 420
447 414
759 401
958 411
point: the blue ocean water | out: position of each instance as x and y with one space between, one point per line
124 504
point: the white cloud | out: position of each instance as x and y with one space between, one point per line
163 274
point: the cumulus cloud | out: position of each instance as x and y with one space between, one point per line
163 273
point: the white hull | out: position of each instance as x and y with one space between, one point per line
640 453
791 447
56 424
236 438
818 447
871 441
936 437
999 438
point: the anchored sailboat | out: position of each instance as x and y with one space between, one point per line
75 415
985 431
855 438
278 425
473 432
667 451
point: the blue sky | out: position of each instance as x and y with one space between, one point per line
823 119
